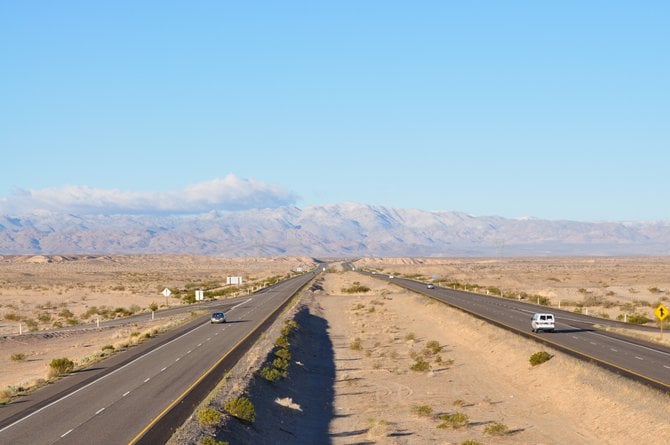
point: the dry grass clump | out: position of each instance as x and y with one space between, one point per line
378 428
539 357
6 395
496 429
60 366
241 408
355 288
18 357
454 420
208 416
422 410
212 441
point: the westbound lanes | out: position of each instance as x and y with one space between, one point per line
118 405
643 361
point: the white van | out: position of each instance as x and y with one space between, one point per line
542 322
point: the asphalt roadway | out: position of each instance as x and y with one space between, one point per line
117 400
575 334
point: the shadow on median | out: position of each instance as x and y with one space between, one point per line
310 385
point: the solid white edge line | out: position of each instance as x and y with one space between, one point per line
66 433
67 396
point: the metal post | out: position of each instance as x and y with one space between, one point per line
97 321
152 315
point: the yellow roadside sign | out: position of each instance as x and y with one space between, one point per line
661 312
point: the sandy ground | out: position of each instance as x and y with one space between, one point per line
41 286
351 381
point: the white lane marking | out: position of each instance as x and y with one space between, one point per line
240 304
639 358
125 393
209 338
147 379
99 411
633 344
177 359
593 343
66 433
189 351
576 338
615 350
164 369
666 366
67 396
199 344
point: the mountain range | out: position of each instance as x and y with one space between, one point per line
337 230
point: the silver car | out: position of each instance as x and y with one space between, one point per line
218 317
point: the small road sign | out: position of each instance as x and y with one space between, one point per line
661 312
167 292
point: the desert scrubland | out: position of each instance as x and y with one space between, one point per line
372 362
394 367
47 293
623 288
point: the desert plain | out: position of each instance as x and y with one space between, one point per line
371 342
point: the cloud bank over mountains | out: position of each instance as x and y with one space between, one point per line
232 216
230 193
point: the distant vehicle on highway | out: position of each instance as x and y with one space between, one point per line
218 317
430 286
390 276
542 322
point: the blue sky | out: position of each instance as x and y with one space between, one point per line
556 110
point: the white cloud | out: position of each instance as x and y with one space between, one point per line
228 193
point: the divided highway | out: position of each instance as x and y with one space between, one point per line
643 361
120 399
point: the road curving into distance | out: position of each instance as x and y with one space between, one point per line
575 334
143 394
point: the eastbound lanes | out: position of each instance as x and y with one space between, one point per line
575 334
118 404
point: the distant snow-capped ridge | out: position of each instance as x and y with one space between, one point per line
347 229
